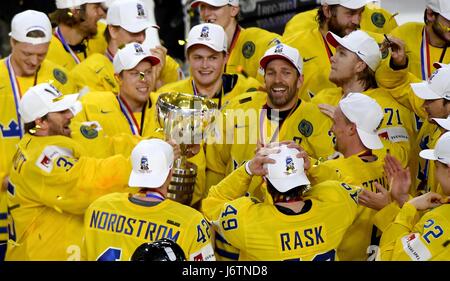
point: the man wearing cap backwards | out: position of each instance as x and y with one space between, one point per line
53 179
127 22
294 222
428 100
76 22
412 234
339 17
427 42
261 118
373 19
353 67
26 66
206 52
245 45
145 215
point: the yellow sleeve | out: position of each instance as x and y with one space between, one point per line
301 21
401 226
427 239
75 183
233 186
323 171
397 83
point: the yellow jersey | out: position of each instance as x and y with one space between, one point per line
246 115
411 237
362 238
397 128
373 19
248 45
60 52
12 88
421 54
97 73
116 224
262 232
51 184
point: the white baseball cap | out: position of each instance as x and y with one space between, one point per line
436 87
441 7
359 42
31 20
152 161
287 172
443 122
367 114
64 4
216 3
208 34
44 98
283 51
130 55
131 15
350 4
441 151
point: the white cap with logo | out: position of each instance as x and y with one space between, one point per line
283 51
152 161
441 151
441 7
215 3
359 42
131 15
45 98
31 20
350 4
65 4
130 56
288 171
367 114
436 87
208 34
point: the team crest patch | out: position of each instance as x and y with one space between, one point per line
378 20
290 167
60 76
248 50
89 131
305 128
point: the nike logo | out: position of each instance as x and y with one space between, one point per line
105 111
308 59
100 69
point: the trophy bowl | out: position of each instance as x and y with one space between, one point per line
187 119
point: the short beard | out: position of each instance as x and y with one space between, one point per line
282 102
336 28
440 33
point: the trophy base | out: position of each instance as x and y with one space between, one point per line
181 188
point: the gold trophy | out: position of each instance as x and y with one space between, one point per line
187 119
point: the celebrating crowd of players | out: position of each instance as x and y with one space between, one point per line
334 143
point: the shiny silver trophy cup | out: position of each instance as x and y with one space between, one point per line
187 119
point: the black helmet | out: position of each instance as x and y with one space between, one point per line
160 250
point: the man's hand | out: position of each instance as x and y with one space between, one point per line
427 201
257 164
176 149
399 179
160 52
398 52
327 109
374 200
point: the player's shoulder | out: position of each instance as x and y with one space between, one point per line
109 199
177 86
407 29
96 62
328 96
241 204
248 100
99 97
184 211
334 191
